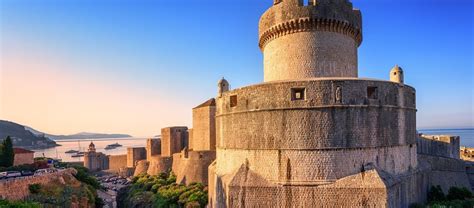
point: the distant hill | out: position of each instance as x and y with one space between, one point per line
82 135
24 138
29 138
87 135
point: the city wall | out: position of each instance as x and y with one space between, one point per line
192 166
17 188
439 145
117 161
135 154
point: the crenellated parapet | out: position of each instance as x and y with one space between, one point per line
292 16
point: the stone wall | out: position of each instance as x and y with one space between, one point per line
135 154
310 41
117 161
173 140
153 147
266 117
17 188
192 166
141 167
23 158
159 164
204 127
439 145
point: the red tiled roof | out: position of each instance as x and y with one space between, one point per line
21 151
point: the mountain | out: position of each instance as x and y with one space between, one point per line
22 137
87 135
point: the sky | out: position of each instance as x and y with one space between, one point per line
136 66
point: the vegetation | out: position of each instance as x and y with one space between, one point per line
7 204
161 191
6 153
34 188
457 197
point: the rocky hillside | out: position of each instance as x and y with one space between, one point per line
22 137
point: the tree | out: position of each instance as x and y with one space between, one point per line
7 155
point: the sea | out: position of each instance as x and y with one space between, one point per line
466 134
59 152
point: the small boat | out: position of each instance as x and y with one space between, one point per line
112 146
109 147
71 151
79 154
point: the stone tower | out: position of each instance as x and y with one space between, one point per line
91 147
317 40
222 86
396 74
313 133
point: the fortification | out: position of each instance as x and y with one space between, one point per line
135 154
173 140
316 40
117 161
204 126
313 131
153 147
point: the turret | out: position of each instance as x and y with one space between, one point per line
396 74
305 41
222 86
91 147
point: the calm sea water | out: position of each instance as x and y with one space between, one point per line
467 135
83 144
467 139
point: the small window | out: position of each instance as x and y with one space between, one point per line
298 93
372 93
233 100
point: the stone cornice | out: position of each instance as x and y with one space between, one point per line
310 24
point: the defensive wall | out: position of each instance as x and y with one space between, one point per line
135 154
117 161
173 140
153 147
204 127
439 145
18 188
338 118
141 167
192 166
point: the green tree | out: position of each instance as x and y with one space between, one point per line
6 153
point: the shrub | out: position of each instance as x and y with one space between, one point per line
436 194
456 193
34 188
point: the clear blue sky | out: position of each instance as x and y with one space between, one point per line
175 51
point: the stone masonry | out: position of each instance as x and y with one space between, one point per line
314 134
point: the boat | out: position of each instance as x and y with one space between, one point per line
109 147
71 151
112 146
79 154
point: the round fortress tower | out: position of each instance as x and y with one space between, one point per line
315 40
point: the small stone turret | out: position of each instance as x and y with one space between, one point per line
304 41
222 86
396 74
91 147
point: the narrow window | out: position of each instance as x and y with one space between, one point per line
233 100
372 93
298 93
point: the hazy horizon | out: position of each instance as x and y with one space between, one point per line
134 67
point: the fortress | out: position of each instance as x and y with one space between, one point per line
313 133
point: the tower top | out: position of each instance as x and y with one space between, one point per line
314 39
91 147
291 16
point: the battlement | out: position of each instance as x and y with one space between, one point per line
307 40
291 16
